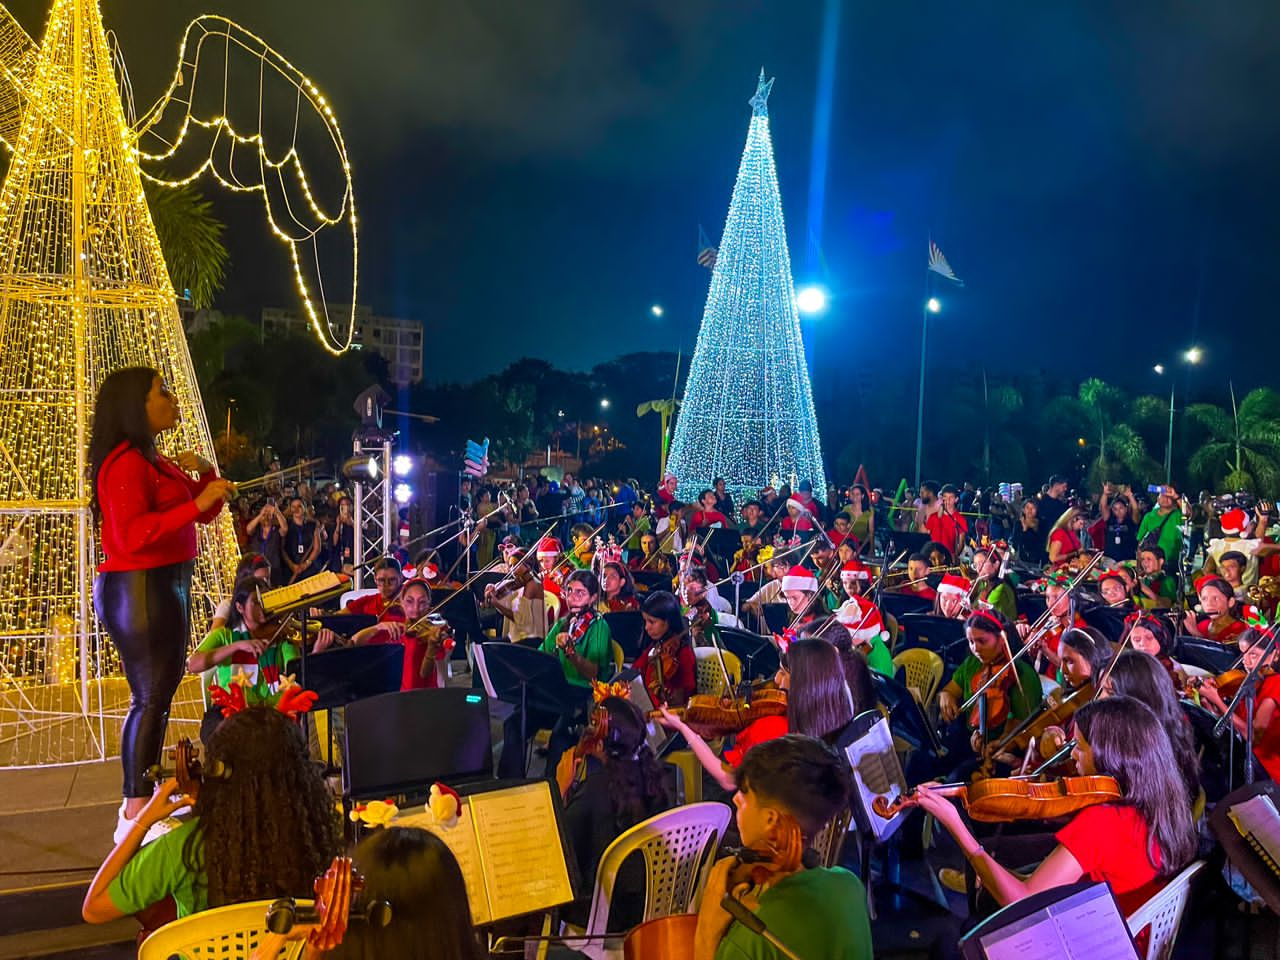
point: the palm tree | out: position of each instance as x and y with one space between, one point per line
191 240
1243 447
665 408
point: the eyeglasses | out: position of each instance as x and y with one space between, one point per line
386 581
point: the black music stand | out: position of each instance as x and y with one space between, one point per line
401 743
528 678
647 581
627 628
758 655
461 610
777 616
347 624
1206 654
1221 757
906 717
1109 621
344 675
898 605
942 635
1237 848
906 540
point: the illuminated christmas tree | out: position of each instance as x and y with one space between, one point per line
748 413
84 291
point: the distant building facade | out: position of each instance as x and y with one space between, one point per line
399 341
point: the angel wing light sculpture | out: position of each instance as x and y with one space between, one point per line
84 290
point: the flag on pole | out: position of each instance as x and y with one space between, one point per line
938 264
706 252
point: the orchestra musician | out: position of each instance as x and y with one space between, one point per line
426 645
1156 589
1253 645
667 666
771 590
800 588
1114 587
707 517
651 559
1150 634
384 604
862 618
1058 603
991 586
951 600
618 589
917 585
1218 601
1133 844
253 564
754 524
549 553
1065 540
147 506
786 791
704 620
527 610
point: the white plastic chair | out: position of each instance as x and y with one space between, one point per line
355 595
1163 913
678 847
225 933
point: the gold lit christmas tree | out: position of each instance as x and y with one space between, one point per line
84 290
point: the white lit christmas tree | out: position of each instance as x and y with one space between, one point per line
747 413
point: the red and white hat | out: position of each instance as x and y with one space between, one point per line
862 619
800 578
549 547
951 583
855 570
1233 522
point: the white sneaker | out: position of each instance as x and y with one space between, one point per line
123 825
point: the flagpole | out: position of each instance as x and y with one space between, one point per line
924 339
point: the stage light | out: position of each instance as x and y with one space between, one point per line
402 465
363 468
1194 355
1158 368
403 493
811 300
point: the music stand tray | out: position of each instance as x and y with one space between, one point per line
758 654
627 628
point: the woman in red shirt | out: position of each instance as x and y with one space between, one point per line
1266 725
1134 844
148 507
818 705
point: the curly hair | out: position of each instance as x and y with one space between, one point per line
269 828
637 784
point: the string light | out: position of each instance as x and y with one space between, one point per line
747 413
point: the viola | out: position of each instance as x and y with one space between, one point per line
1005 799
331 914
187 769
996 695
1050 714
516 580
720 715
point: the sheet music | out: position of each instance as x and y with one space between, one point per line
1258 816
461 840
520 849
1085 926
290 594
877 773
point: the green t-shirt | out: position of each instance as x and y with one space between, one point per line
820 914
1003 599
158 870
596 645
1170 536
1025 696
264 673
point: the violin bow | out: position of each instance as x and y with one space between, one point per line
823 584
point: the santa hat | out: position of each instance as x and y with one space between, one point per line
953 583
549 547
799 578
1233 522
793 502
855 570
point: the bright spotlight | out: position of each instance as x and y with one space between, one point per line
657 310
811 300
402 464
933 305
402 492
604 404
1194 355
363 468
1158 368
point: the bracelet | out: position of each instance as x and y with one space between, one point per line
979 851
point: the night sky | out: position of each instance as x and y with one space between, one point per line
531 175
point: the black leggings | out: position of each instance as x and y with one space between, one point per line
148 615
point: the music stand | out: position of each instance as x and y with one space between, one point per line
627 628
908 540
942 635
898 605
647 581
1247 860
461 610
1109 621
777 616
344 675
401 743
530 678
1087 909
758 655
906 717
347 624
1206 654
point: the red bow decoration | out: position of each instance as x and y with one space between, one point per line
290 698
785 639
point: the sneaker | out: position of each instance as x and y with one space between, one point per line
123 825
952 879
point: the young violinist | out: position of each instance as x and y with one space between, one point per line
818 705
1058 602
1114 588
807 604
667 665
388 578
1156 589
1133 844
1255 647
993 589
1150 635
251 565
1218 601
426 645
787 790
704 621
1065 540
952 598
862 620
771 590
527 609
265 830
581 638
651 559
618 589
248 644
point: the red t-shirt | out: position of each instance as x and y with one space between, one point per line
149 512
1109 842
686 675
1266 745
946 529
758 731
415 651
1067 542
372 605
707 518
1223 633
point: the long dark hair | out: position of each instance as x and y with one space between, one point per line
1130 744
662 605
818 701
628 591
269 829
1092 645
120 415
853 663
1158 627
415 872
246 586
1141 676
637 785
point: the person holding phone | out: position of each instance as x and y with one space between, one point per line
266 537
1163 525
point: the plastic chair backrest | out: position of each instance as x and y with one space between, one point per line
710 677
227 933
922 671
830 839
1163 913
892 626
615 648
678 847
355 595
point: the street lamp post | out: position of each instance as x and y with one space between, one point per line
932 305
1192 356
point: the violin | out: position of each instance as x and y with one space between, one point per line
187 769
665 662
436 633
1005 799
515 581
721 715
997 698
1050 714
1228 683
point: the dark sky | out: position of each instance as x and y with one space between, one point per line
531 173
